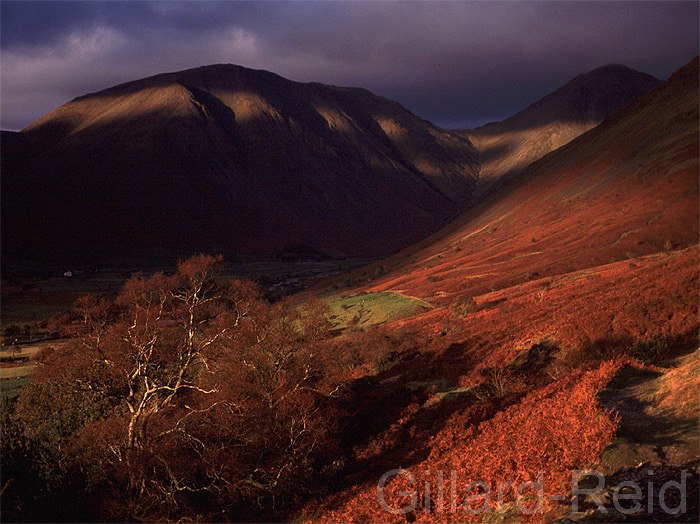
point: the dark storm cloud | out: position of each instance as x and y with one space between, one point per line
47 22
454 63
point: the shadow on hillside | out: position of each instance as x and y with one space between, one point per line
393 416
391 419
652 350
493 151
636 422
647 432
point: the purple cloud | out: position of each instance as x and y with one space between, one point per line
454 63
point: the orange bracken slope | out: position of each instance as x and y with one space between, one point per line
594 248
625 189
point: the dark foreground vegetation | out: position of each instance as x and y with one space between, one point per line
186 396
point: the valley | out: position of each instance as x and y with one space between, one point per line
466 309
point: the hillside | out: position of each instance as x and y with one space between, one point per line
551 329
507 147
572 279
625 189
227 159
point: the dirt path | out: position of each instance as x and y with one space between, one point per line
657 443
648 433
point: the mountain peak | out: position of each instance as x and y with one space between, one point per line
508 146
588 98
223 158
612 69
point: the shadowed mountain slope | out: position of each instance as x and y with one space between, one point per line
227 159
625 189
507 147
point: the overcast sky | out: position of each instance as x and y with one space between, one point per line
458 64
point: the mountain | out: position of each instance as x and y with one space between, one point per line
626 189
527 311
227 159
507 147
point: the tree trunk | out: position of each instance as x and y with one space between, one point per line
134 452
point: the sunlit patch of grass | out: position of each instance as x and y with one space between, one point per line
678 389
373 308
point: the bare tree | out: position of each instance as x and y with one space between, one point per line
196 385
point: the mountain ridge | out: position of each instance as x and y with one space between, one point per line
252 162
509 146
586 98
624 189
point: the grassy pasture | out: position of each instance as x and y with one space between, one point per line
33 300
14 377
10 387
16 372
372 308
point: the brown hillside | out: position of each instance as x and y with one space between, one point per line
507 147
625 189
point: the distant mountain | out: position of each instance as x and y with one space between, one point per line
227 159
626 189
507 147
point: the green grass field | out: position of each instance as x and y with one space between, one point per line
372 308
16 372
10 387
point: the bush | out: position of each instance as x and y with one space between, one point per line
497 379
650 351
464 305
388 361
593 352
